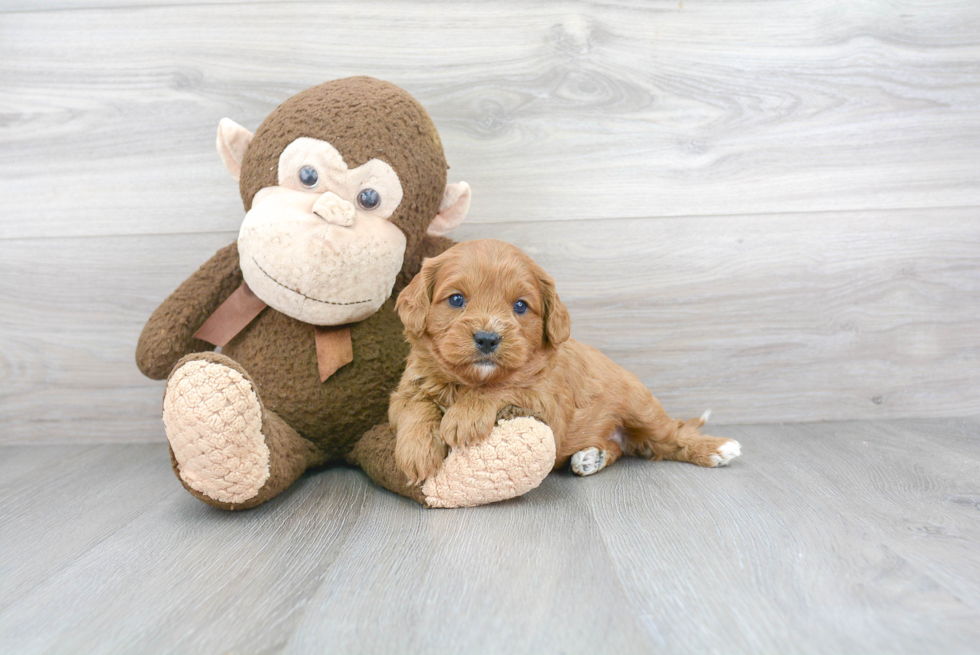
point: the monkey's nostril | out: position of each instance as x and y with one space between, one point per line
487 342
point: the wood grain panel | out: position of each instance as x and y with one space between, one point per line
822 538
777 318
20 6
762 319
551 110
72 312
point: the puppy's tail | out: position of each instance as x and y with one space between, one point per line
704 418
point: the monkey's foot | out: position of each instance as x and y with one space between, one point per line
213 420
514 459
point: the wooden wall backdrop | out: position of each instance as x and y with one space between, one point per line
766 208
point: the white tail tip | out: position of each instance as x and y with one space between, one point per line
705 417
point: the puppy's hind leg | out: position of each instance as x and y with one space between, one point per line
592 447
652 434
592 459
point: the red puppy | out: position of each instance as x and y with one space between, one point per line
487 330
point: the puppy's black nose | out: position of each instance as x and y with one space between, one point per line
487 342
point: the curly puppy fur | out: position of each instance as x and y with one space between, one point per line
452 388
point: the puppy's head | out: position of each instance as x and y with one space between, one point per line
484 310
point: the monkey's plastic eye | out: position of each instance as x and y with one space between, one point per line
520 307
457 300
368 199
308 176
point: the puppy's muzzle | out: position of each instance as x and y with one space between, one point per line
487 342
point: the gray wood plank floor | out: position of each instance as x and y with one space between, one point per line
823 538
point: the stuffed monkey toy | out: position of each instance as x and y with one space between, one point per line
345 193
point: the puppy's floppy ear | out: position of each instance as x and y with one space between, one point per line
414 300
557 321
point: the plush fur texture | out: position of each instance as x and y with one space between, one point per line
513 460
310 422
364 119
215 419
225 457
280 352
312 251
313 269
287 454
452 390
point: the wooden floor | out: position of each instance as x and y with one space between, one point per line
823 538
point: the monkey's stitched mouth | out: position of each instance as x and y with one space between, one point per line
300 293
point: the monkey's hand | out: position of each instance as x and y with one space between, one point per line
169 333
468 421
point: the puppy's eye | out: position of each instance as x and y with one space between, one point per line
308 177
368 199
457 300
520 307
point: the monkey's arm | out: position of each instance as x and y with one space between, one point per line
169 334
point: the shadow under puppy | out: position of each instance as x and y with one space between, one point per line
487 330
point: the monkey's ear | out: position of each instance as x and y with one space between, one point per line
414 300
452 210
557 321
233 140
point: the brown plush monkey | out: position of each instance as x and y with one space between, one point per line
344 187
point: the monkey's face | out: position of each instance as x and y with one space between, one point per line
341 185
319 247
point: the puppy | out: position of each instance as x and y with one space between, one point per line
488 331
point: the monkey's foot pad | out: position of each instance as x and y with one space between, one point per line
214 419
514 459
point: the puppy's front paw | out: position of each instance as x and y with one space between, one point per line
461 428
449 427
419 452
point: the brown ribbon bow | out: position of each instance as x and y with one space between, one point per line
333 343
